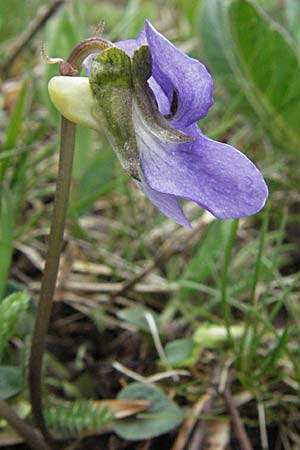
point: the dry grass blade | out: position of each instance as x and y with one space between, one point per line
188 426
179 239
123 408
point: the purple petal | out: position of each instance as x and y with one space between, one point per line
216 176
163 103
175 71
128 46
167 204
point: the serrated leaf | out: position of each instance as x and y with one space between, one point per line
256 61
10 310
162 416
85 418
78 418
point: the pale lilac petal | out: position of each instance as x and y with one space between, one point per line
167 204
163 103
216 176
87 63
128 46
175 71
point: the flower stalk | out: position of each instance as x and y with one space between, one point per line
50 273
69 67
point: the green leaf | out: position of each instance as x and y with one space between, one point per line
77 418
162 416
136 316
256 62
10 381
178 351
96 179
10 310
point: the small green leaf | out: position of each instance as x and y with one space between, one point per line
136 316
178 351
10 381
160 418
10 310
77 418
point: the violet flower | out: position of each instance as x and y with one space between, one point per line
147 96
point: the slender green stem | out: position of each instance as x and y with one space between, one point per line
23 429
71 66
50 273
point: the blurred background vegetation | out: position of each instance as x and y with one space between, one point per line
225 296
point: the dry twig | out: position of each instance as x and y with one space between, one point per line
238 426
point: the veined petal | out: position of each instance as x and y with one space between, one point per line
216 176
128 46
167 204
73 98
175 71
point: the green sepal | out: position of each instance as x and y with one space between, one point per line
112 87
126 106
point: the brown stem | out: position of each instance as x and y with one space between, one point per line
50 273
236 421
29 435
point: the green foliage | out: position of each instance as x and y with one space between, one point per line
77 418
292 16
11 309
136 316
10 381
179 351
205 260
234 293
257 64
162 416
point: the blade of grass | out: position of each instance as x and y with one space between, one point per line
250 340
224 303
13 129
6 238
